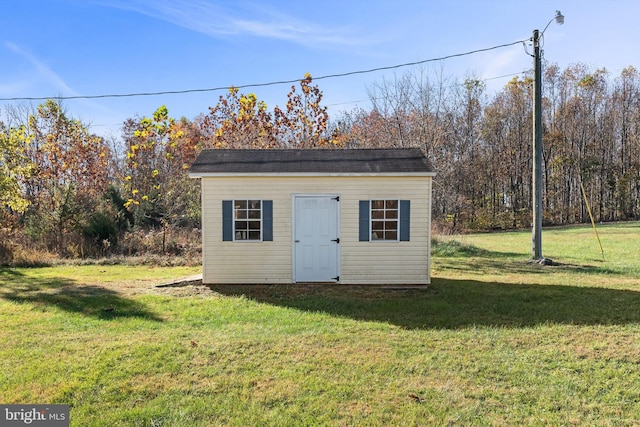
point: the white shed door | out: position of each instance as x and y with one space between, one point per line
316 239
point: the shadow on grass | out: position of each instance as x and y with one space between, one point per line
519 266
89 300
454 304
447 255
462 303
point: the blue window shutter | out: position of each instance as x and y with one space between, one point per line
267 220
364 220
227 220
405 214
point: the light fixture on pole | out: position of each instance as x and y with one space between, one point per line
536 237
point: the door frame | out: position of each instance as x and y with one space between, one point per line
295 196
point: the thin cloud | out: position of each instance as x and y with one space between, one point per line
257 21
50 76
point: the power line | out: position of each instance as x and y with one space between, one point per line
483 80
274 83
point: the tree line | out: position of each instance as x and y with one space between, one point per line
71 192
481 144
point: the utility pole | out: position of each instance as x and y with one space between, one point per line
536 221
536 237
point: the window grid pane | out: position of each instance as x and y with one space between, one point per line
384 220
248 215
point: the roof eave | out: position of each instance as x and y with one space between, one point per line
301 174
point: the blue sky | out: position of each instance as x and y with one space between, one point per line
95 47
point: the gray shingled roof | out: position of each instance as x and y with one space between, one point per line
397 160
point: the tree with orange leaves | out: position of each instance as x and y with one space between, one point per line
241 121
303 123
69 174
238 121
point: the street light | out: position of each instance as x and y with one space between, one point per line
537 140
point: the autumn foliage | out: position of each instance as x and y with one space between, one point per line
241 121
68 168
66 190
238 121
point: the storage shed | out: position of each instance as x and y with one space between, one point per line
360 216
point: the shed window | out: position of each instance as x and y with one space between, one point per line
384 220
247 224
247 220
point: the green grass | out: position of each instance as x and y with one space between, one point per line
495 340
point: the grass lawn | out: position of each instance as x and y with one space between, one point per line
495 340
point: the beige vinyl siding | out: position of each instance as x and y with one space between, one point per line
373 262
